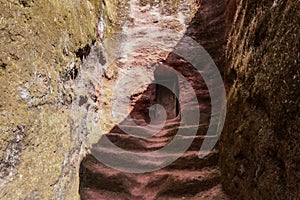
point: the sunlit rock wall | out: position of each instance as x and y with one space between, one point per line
42 46
260 145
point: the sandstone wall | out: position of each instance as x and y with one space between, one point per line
260 143
42 45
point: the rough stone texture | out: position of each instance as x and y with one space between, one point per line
42 44
208 27
260 148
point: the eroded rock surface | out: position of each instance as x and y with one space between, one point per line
42 45
46 122
260 143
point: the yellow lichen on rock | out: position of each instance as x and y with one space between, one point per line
39 42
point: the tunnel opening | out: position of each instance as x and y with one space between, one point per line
167 90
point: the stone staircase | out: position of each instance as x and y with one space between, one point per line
187 178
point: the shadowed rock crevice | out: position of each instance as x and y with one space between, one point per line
167 91
11 156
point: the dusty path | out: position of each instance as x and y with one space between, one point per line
188 177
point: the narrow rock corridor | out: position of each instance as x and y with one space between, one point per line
189 177
149 99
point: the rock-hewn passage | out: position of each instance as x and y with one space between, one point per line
188 177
